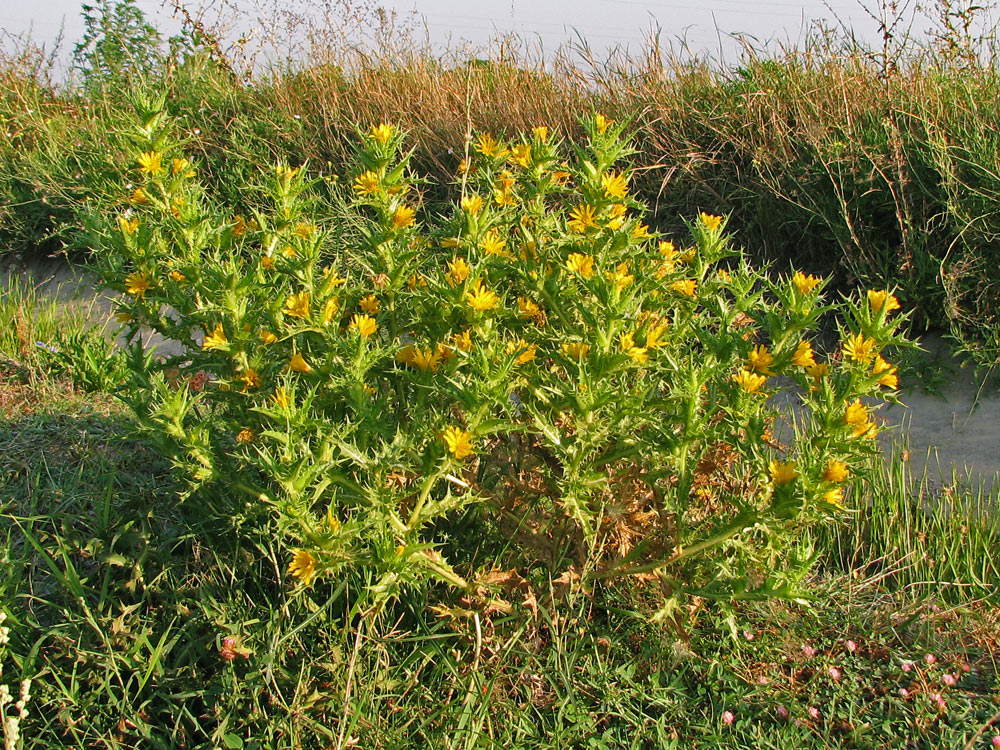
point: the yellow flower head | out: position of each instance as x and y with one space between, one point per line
150 162
481 299
626 342
540 133
601 123
818 371
504 197
526 352
367 183
667 250
749 381
382 133
280 398
834 497
284 172
462 341
404 217
859 348
641 231
298 305
364 325
370 304
575 350
488 146
804 355
267 337
244 436
181 168
782 473
493 244
654 334
472 204
250 378
614 184
128 227
521 155
805 284
527 308
302 566
685 287
581 218
425 359
880 300
709 221
888 376
138 197
621 278
581 264
137 284
298 364
216 339
458 442
177 276
330 309
458 271
835 471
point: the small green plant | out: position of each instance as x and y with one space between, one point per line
539 355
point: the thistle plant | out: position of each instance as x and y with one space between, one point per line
598 392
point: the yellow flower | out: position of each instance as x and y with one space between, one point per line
479 298
139 197
298 364
458 271
626 343
804 355
667 250
882 299
540 133
782 473
818 371
527 351
835 471
493 244
710 222
177 276
462 341
834 497
330 310
128 227
654 333
859 348
364 325
581 264
463 166
723 275
404 217
582 219
889 378
504 197
487 145
367 183
641 232
302 566
560 178
267 263
267 337
473 204
521 155
527 308
621 278
856 415
284 172
425 359
150 162
280 398
382 133
298 305
216 339
244 436
250 378
803 283
370 305
137 284
575 350
614 184
181 168
749 381
685 287
304 230
601 123
458 442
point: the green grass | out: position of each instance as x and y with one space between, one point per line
121 597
